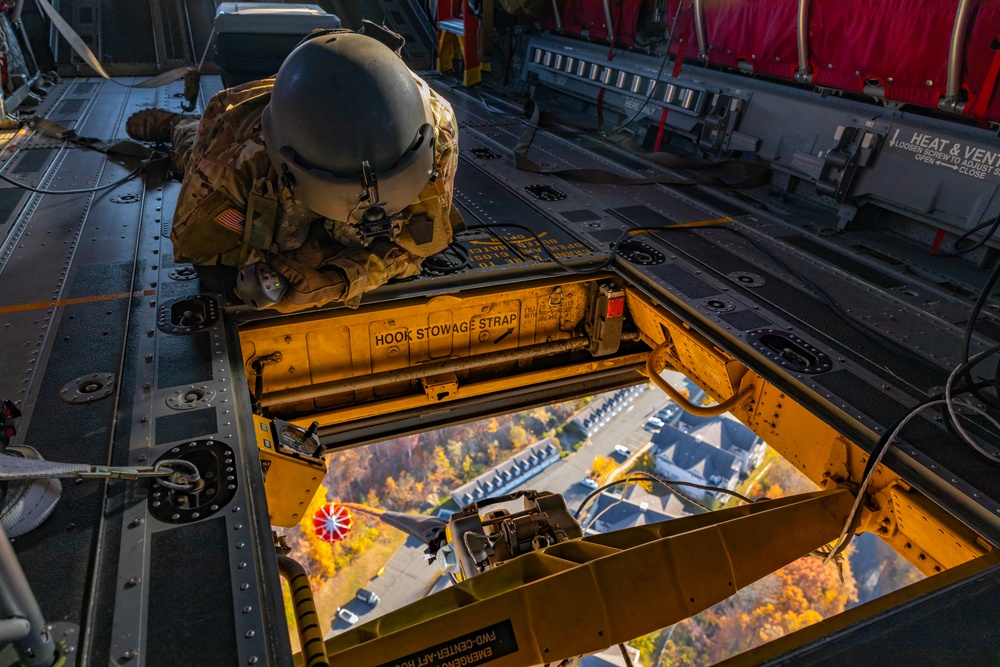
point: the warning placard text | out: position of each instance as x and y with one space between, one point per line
966 159
475 648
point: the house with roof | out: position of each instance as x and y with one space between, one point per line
505 477
728 434
595 416
636 507
685 457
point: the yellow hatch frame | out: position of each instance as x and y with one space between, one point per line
340 367
912 524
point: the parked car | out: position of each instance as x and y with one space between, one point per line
623 450
367 596
653 424
667 412
589 483
347 616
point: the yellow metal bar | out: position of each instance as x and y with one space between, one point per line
341 345
410 373
343 366
581 596
485 387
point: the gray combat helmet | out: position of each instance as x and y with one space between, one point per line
348 128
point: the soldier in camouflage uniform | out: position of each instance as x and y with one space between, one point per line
235 208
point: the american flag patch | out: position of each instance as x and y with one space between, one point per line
232 219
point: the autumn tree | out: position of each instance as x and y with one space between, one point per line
492 453
443 474
646 647
800 594
456 451
518 436
782 478
390 489
603 466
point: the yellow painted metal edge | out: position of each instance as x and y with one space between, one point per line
468 390
584 595
936 539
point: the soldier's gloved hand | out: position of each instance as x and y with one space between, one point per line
307 286
308 272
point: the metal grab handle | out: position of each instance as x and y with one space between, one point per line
609 21
699 29
956 52
804 73
698 410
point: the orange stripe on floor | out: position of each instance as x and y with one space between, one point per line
73 302
682 225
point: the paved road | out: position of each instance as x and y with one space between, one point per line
407 575
624 429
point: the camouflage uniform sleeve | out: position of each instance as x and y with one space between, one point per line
210 217
427 222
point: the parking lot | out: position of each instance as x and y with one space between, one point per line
407 575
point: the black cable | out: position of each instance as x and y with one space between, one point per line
626 480
121 181
993 224
669 483
883 443
809 285
659 73
971 325
996 378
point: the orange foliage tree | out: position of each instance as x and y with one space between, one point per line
800 594
518 435
603 466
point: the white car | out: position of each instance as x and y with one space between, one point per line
654 424
347 616
589 483
623 450
667 412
